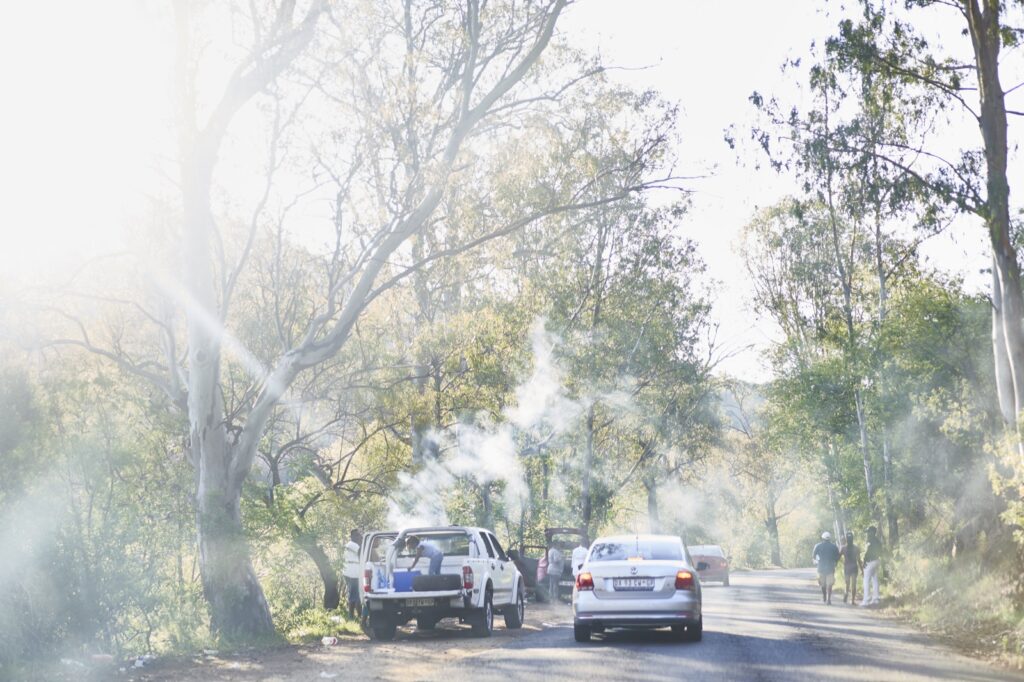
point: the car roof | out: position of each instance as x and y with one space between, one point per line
443 529
639 538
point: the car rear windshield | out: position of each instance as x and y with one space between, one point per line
653 550
452 544
707 550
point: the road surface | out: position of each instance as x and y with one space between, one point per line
769 625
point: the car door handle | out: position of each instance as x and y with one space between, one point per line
492 566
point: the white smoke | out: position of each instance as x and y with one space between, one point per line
487 451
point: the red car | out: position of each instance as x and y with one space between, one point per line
711 562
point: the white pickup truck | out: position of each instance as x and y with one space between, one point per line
477 579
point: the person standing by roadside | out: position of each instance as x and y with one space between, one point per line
872 562
351 571
556 564
850 554
579 555
825 557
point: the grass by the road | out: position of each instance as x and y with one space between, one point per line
970 610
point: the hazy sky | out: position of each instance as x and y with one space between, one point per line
90 94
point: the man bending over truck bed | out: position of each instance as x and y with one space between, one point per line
425 548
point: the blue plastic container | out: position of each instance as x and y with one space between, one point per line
403 580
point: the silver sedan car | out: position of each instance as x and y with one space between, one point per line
637 581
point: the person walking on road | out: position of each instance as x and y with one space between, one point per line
872 562
850 554
351 572
825 557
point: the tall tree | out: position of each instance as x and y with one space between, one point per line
885 45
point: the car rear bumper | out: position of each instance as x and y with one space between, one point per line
714 576
683 608
638 620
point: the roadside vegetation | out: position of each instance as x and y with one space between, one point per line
428 265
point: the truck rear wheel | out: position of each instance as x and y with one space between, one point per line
483 621
382 629
516 613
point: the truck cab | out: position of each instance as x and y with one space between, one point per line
477 579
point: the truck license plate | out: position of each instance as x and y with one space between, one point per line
420 602
633 584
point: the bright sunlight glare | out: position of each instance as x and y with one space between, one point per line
92 113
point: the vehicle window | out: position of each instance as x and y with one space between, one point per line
707 550
487 544
497 548
652 550
452 544
379 547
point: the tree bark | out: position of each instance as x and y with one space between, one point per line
588 465
1003 376
238 608
892 519
332 594
488 505
883 298
771 523
984 28
865 453
653 515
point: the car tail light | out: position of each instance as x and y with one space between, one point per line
684 580
584 581
467 578
367 579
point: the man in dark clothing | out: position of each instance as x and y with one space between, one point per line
850 554
826 556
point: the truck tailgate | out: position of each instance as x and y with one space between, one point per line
440 594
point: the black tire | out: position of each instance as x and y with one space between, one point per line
426 623
383 630
516 613
726 581
581 632
694 633
483 620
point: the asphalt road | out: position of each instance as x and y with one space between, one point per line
770 625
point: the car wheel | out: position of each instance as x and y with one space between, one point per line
383 631
694 633
726 581
581 632
483 624
516 613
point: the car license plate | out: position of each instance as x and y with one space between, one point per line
420 602
633 584
565 583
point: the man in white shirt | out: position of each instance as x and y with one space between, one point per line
352 572
579 555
